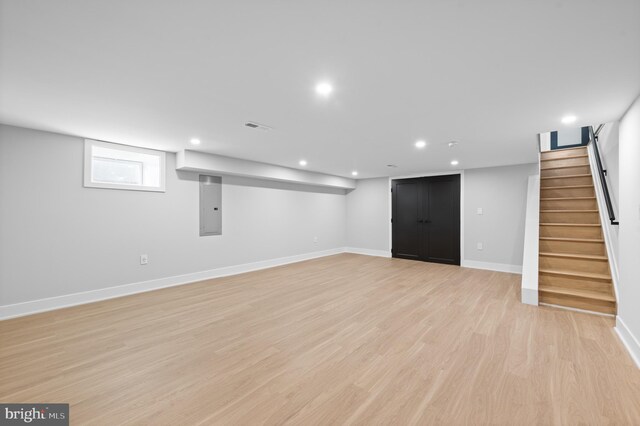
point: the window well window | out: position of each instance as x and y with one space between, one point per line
113 166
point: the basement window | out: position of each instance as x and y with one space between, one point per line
113 166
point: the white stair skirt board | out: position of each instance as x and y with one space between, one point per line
630 341
499 267
529 293
610 236
67 300
368 252
529 296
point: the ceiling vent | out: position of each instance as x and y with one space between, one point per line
254 125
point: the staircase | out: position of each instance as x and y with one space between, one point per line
573 265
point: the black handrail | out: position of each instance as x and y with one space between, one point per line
603 173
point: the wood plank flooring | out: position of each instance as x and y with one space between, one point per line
345 339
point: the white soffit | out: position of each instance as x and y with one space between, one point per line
193 161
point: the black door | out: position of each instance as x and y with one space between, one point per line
426 219
407 209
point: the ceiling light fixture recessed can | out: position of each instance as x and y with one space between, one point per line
302 162
420 144
195 141
568 119
454 163
324 88
354 173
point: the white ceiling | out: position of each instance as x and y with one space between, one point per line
490 74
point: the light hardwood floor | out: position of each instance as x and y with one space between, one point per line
345 339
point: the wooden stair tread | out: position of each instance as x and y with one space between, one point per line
567 198
565 176
586 294
566 187
564 167
575 256
569 224
568 211
576 240
587 275
564 158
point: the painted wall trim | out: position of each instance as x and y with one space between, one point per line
631 342
368 252
68 300
499 267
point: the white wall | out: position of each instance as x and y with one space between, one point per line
368 216
608 143
608 146
57 237
628 321
501 192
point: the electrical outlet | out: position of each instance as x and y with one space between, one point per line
144 259
479 211
479 246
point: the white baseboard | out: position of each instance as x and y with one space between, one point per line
368 252
67 300
630 341
499 267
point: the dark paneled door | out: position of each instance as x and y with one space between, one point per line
407 209
426 219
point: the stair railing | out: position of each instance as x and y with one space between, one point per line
593 138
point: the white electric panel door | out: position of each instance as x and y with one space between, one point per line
210 205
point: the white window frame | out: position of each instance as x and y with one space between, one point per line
89 183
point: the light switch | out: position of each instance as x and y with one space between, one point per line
479 211
479 246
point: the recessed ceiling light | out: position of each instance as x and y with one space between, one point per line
568 119
421 144
324 88
195 141
354 173
454 163
302 162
